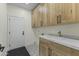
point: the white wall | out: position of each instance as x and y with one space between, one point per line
71 30
30 39
3 26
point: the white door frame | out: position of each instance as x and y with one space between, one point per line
8 31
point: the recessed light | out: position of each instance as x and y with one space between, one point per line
26 3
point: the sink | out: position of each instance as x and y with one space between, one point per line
66 36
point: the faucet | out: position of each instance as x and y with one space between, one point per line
59 33
42 34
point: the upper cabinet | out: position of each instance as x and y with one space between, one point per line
51 20
49 14
65 13
34 18
59 12
68 13
77 12
44 13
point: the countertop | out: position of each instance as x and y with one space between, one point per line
72 43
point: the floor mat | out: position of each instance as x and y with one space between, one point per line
18 52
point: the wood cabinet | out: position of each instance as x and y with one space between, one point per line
34 18
44 11
77 12
49 14
69 13
74 52
44 15
65 13
59 12
44 45
39 16
43 49
48 48
51 20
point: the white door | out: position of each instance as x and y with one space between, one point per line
16 32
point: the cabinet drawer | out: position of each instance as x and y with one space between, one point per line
44 41
58 52
62 48
43 49
54 49
47 42
74 52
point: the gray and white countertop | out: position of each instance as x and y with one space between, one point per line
72 43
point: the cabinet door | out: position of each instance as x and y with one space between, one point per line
77 12
35 17
44 14
69 13
46 49
62 49
59 12
50 51
43 49
39 14
57 53
48 15
51 20
74 52
59 8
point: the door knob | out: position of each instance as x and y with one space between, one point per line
22 32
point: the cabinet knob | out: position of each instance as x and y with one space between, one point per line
71 11
57 19
41 23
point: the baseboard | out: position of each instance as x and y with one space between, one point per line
32 49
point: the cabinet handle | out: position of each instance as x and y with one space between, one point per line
41 23
34 25
57 20
50 52
71 11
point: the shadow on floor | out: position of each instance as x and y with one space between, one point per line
22 51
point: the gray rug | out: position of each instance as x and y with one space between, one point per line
22 51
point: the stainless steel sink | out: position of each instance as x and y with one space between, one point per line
66 36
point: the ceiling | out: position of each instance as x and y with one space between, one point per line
29 6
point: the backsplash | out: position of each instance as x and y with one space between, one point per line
71 30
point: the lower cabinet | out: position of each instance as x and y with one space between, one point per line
74 52
48 48
43 50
